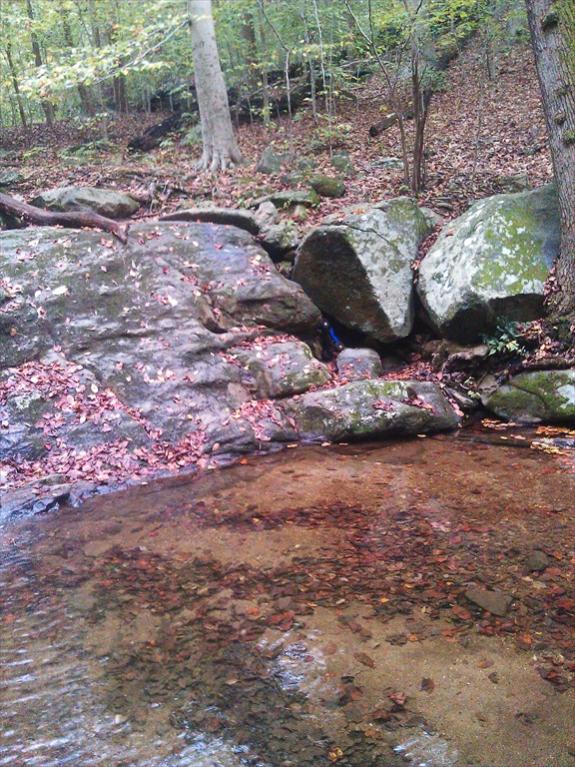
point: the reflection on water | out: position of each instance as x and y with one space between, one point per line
304 610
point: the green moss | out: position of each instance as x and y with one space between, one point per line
569 137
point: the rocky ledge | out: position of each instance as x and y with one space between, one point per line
185 344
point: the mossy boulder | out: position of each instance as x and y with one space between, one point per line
328 186
490 264
106 202
357 268
544 395
366 409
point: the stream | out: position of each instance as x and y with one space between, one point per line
303 609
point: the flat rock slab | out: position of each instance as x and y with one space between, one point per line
495 602
126 346
243 219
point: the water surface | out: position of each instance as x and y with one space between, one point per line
300 610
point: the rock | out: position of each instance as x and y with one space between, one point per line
290 198
357 269
280 240
282 369
328 186
343 163
47 495
242 219
366 409
106 202
518 182
266 215
10 178
537 561
495 602
491 264
390 163
144 331
356 364
273 161
543 395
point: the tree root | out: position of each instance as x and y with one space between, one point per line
29 214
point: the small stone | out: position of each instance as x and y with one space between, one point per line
495 602
355 364
536 561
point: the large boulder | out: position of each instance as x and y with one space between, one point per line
491 264
103 344
366 409
357 268
106 202
543 395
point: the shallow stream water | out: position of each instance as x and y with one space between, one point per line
299 610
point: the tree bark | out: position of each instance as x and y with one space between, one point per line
46 105
15 85
29 214
220 148
552 25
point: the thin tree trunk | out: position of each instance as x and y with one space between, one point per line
220 148
83 91
264 66
552 26
46 105
15 85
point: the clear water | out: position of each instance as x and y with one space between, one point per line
269 615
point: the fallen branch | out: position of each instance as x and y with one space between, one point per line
29 214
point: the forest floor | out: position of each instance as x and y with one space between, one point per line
479 131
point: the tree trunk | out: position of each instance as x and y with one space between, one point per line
552 26
220 146
14 79
46 105
83 91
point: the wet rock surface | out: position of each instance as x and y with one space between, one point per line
308 610
490 264
358 268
